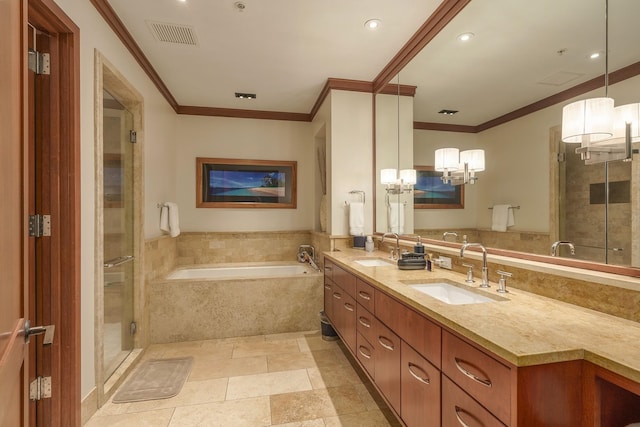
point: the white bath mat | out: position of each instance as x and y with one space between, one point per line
155 379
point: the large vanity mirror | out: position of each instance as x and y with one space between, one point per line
507 85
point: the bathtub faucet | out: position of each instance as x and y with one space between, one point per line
307 253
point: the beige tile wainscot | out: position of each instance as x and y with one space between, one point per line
518 360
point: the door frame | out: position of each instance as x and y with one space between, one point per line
63 112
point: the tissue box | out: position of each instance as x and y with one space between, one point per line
359 241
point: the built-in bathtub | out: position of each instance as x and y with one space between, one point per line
231 300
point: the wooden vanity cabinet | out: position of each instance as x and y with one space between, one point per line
460 409
340 305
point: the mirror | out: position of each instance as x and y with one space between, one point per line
501 83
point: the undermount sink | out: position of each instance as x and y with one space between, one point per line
452 294
374 262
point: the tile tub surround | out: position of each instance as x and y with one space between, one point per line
262 246
187 310
525 330
273 380
160 257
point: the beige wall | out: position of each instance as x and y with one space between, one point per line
243 139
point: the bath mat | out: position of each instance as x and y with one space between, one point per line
155 379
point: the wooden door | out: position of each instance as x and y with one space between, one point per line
13 293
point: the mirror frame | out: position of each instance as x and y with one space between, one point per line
445 13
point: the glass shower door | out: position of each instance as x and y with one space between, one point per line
118 234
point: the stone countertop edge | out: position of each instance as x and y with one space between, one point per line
525 330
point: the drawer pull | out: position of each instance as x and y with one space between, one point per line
364 295
336 295
327 287
365 355
460 420
364 322
348 306
483 381
328 269
388 346
423 378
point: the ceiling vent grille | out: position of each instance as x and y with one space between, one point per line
173 33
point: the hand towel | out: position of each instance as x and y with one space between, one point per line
502 217
170 219
164 219
356 218
396 217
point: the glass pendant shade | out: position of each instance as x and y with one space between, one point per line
588 120
408 176
388 176
622 115
474 159
446 159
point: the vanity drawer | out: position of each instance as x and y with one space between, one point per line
365 354
477 373
459 409
387 363
365 323
328 299
419 332
420 390
328 270
365 295
344 279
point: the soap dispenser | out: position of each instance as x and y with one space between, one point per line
419 247
369 246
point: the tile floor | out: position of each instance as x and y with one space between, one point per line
286 380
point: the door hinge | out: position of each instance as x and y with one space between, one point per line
40 388
39 225
133 136
39 63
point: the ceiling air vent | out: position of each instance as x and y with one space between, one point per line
173 33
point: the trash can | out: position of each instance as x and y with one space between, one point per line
328 333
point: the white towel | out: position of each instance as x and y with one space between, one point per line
356 218
396 217
502 217
169 219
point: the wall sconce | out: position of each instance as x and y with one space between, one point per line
605 133
398 184
459 167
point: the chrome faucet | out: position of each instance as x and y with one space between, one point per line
307 253
485 270
556 245
397 249
449 233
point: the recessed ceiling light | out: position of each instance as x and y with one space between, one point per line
372 24
448 112
242 95
465 37
594 55
182 1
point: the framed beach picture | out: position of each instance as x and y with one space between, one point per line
431 193
234 183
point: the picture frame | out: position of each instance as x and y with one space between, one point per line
237 183
430 192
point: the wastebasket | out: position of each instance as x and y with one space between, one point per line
328 333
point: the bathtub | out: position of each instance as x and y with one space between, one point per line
234 300
267 270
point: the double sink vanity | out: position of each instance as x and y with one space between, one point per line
446 353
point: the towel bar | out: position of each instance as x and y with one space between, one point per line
510 207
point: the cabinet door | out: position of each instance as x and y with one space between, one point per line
346 306
420 390
328 299
365 323
480 375
365 295
365 354
387 363
460 410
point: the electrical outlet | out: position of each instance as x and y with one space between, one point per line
445 262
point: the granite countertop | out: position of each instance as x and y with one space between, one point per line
524 329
